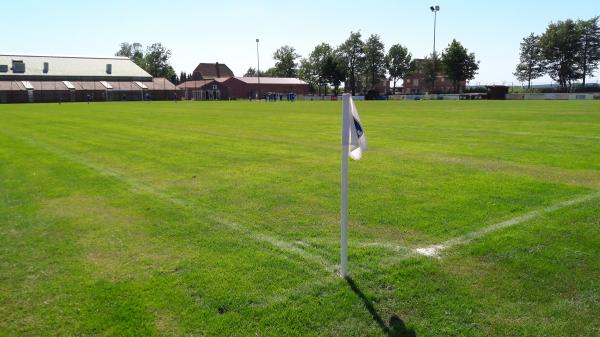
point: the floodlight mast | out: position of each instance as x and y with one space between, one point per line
434 9
258 69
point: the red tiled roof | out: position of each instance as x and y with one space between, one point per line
212 70
272 80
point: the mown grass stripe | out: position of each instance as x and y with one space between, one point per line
282 245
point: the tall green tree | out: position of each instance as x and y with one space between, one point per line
560 46
458 64
156 61
286 65
307 73
352 52
589 47
334 71
374 61
397 63
317 62
531 62
174 78
429 67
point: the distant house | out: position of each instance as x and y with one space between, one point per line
215 81
415 82
39 78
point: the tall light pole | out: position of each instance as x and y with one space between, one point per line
434 9
258 69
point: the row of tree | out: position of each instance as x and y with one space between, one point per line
568 51
364 65
361 65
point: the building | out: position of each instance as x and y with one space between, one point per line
415 82
251 87
37 78
208 83
203 90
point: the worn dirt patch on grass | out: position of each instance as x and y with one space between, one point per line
166 323
113 241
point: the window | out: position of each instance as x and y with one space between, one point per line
106 84
46 67
141 85
69 85
18 67
109 68
27 85
3 68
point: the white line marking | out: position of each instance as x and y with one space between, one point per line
434 251
136 185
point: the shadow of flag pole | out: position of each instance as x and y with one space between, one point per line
344 188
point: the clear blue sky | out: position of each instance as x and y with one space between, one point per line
225 30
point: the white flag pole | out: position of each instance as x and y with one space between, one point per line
344 208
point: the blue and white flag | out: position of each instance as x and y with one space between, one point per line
358 139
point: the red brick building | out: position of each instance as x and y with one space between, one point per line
203 90
208 83
415 82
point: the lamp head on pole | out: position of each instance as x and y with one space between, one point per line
257 40
435 8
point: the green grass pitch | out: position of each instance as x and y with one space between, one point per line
222 219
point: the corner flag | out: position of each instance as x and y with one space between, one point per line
358 140
354 142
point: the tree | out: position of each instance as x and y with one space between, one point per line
429 66
251 72
398 62
459 64
334 71
271 72
316 61
352 52
531 63
174 78
182 77
133 51
374 61
560 44
156 61
307 73
589 47
286 65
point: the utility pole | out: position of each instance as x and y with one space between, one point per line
258 69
